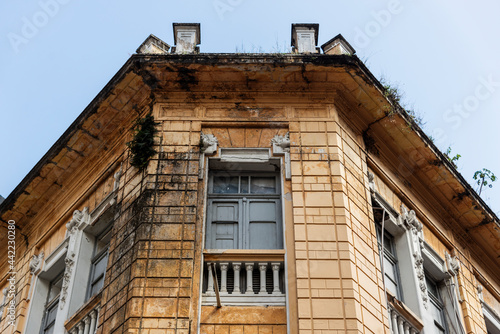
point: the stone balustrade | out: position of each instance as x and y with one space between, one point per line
401 321
88 323
242 283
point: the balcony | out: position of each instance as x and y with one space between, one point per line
85 320
401 319
244 278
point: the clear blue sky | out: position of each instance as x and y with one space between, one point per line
58 54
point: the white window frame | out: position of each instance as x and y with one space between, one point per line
53 265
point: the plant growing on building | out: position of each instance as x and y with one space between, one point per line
484 177
395 96
142 144
451 159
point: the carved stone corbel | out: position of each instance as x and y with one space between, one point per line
480 293
371 181
452 264
208 145
79 221
36 263
281 146
117 177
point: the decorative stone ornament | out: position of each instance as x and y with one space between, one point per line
281 146
36 263
75 227
371 181
410 222
117 177
69 263
208 145
480 292
452 264
80 218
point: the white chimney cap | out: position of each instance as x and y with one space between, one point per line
186 37
305 37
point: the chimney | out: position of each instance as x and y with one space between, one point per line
186 38
338 46
153 45
305 37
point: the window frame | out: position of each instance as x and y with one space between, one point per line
51 304
437 301
96 257
243 201
391 257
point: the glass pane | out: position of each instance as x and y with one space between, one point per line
244 185
432 287
263 185
225 184
388 244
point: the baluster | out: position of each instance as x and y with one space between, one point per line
276 278
80 327
249 268
73 330
223 278
86 321
395 322
210 287
97 313
400 325
93 317
236 270
262 269
407 328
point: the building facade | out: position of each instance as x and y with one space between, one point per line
247 193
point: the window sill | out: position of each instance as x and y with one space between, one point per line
253 255
83 311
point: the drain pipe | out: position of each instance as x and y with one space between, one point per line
216 285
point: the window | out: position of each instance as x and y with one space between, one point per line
244 210
390 262
436 306
52 304
98 263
